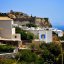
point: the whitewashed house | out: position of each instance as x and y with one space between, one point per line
44 34
7 30
58 32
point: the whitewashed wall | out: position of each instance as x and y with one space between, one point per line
42 33
47 35
6 26
13 30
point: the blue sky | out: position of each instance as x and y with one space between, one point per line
53 9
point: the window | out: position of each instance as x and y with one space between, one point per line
15 36
42 36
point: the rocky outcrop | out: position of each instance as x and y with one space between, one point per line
23 18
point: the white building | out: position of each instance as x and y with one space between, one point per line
6 27
7 30
43 34
59 32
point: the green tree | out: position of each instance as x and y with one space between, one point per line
30 36
23 35
18 30
50 51
29 57
54 49
31 25
26 35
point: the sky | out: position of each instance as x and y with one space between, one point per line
52 9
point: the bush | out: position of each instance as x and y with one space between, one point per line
7 61
26 55
59 59
30 36
6 48
31 25
29 57
53 48
23 35
61 38
50 51
18 30
26 35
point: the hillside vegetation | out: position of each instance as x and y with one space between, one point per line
24 18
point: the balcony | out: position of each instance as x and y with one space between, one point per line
16 37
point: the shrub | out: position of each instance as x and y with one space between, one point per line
18 30
7 61
31 25
29 57
6 48
26 35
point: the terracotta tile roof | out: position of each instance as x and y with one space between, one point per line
5 18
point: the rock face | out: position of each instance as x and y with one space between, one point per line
23 19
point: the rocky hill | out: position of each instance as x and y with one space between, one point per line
23 19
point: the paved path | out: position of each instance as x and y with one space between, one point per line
62 41
7 55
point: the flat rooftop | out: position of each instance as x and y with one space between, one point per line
5 18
